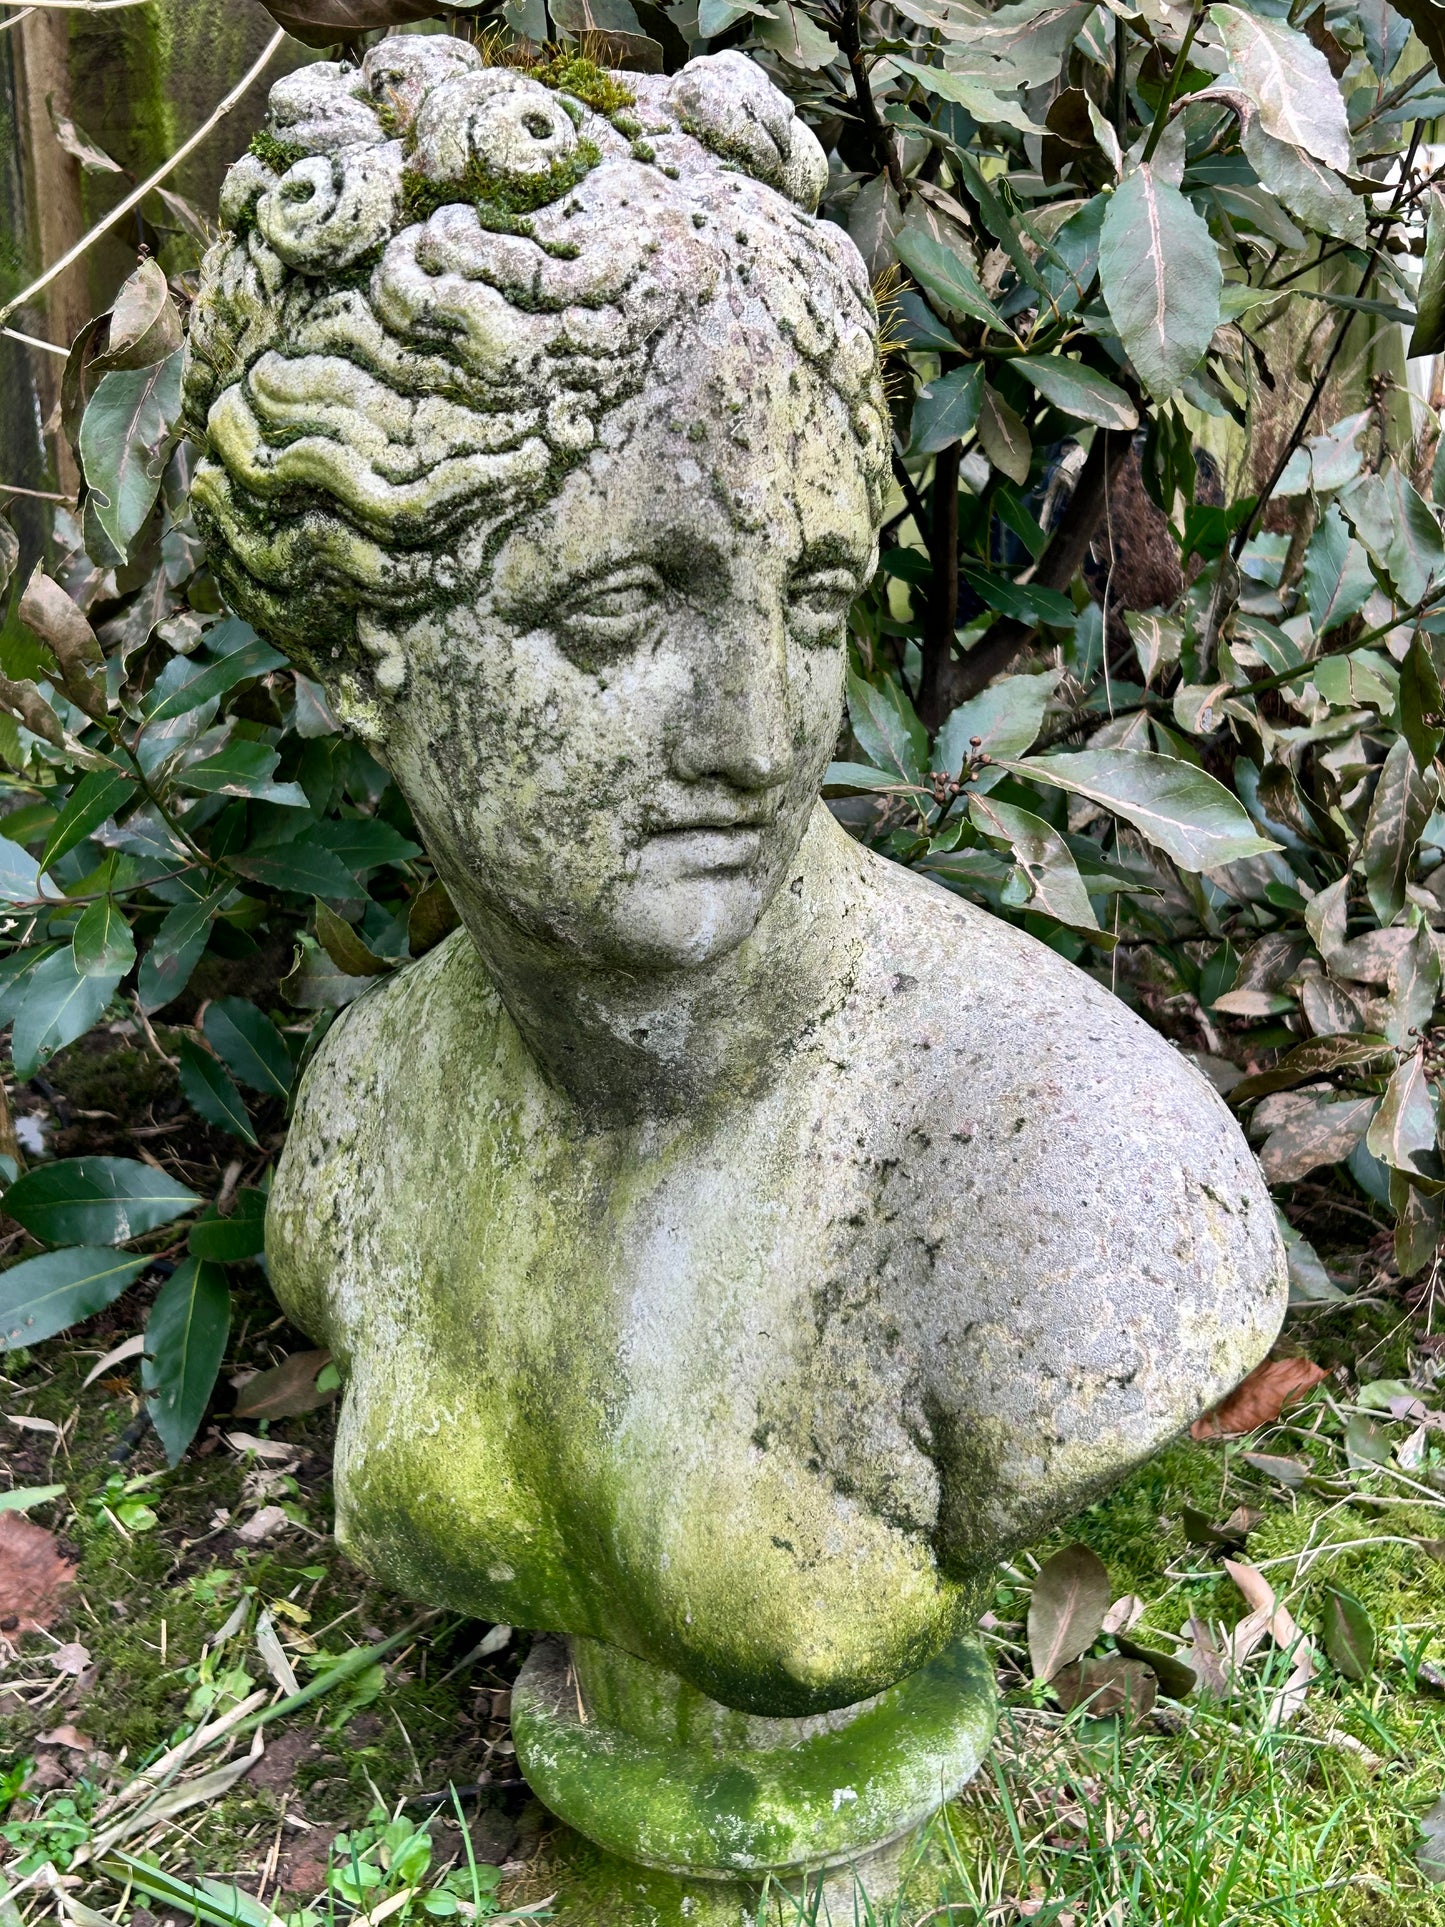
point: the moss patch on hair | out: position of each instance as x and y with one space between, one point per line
574 74
500 199
278 155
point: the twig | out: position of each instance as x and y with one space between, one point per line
138 194
15 334
850 39
1292 441
8 489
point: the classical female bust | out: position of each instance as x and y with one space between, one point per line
732 1243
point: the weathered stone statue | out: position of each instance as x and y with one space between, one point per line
732 1243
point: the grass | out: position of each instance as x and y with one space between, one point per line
396 1784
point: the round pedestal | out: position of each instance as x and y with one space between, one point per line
659 1775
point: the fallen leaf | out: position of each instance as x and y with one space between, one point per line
28 1424
72 1659
1289 1472
1260 1398
33 1574
262 1524
1106 1686
1267 1615
273 1655
132 1348
22 1497
1349 1634
1203 1658
1229 1537
1067 1608
1123 1614
263 1448
1175 1676
287 1390
1367 1443
1430 1854
70 1736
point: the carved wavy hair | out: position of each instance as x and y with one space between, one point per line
436 282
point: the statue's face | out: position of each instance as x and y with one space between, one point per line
620 747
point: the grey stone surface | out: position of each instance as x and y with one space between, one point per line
732 1243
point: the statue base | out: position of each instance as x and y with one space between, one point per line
590 1888
700 1809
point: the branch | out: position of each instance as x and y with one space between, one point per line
1061 561
1292 441
850 39
138 194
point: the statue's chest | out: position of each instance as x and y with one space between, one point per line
586 1363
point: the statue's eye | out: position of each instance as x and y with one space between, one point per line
818 602
611 615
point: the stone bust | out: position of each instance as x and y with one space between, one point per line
732 1243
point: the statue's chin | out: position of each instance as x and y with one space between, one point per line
683 921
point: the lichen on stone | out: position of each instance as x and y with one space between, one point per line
430 230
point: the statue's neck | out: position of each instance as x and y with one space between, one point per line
627 1045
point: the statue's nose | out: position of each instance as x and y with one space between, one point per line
737 720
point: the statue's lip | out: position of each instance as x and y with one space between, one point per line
712 846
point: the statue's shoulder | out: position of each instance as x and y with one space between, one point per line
414 1030
377 1107
978 1030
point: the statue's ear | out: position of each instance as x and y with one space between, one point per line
357 709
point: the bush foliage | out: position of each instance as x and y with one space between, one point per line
1098 237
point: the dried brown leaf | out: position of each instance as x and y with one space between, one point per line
1107 1686
287 1390
34 1573
1067 1608
1260 1398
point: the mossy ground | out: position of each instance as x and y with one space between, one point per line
1206 1814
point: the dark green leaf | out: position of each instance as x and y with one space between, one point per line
1159 269
1185 812
101 794
19 874
1317 1057
946 410
246 1040
950 280
1055 886
304 866
96 1200
1028 602
212 1094
183 924
60 1004
42 1296
185 1343
1066 1609
1308 189
1367 1443
885 724
125 442
1337 576
166 967
211 678
230 1241
344 947
1078 391
1003 437
1006 718
1290 82
242 769
364 843
1405 1127
1429 335
104 946
1399 811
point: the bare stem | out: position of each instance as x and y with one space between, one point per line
850 39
